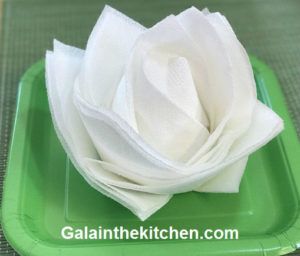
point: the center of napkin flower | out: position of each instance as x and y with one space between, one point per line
168 112
172 76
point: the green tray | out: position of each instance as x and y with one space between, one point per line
43 192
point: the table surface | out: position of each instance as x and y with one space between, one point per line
268 29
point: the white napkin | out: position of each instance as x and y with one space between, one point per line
147 113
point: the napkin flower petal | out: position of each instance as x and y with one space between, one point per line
228 179
62 65
236 120
107 50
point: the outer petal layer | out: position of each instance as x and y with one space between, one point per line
62 66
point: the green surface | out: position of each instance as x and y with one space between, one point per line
43 192
268 29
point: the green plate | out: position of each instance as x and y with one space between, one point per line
43 192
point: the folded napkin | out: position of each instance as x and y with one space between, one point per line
147 113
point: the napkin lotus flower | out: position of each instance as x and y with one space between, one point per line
147 113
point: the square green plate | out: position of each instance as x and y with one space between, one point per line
43 192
